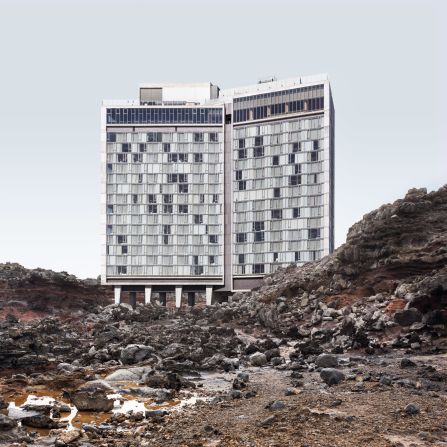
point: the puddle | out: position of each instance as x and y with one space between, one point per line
123 401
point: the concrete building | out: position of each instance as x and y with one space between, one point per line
205 191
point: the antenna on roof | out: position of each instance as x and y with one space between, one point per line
267 79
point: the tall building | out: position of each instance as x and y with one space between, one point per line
204 191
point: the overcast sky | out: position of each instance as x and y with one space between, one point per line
386 61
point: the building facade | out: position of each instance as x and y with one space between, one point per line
204 191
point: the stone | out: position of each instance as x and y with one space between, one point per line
67 437
276 405
385 380
92 397
268 421
331 376
122 375
407 317
6 423
412 409
135 353
326 361
243 376
150 414
407 363
258 359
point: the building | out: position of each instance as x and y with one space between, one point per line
205 191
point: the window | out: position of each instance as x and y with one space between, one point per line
314 178
202 198
198 158
314 156
275 257
183 158
298 169
212 260
152 209
276 214
213 239
198 270
167 198
111 137
215 198
122 239
242 153
182 188
291 158
109 209
172 158
276 192
140 178
122 270
154 137
109 229
314 233
297 256
172 178
275 160
122 158
241 259
258 268
239 175
259 236
195 260
296 212
258 226
137 158
183 209
183 178
258 141
142 147
124 249
241 237
109 167
165 239
167 209
191 299
166 229
198 218
151 198
242 185
213 137
258 151
125 147
241 143
295 180
295 147
315 145
198 137
134 198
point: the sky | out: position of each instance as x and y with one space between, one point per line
58 59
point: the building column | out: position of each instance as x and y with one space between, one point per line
209 296
178 296
147 294
133 299
117 291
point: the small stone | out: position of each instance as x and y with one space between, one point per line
412 409
407 363
276 405
385 380
268 421
326 361
331 376
67 437
258 359
243 376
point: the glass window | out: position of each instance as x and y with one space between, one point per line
239 175
213 239
258 151
276 192
275 160
198 158
258 268
296 212
242 153
152 209
213 137
314 233
242 185
241 143
276 214
183 209
241 237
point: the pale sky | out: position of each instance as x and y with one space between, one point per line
386 61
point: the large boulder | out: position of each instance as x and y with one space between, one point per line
258 359
326 361
407 317
93 397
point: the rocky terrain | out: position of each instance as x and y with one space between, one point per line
350 350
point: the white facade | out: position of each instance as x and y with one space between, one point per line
208 189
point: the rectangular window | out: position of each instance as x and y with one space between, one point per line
195 260
124 249
198 270
296 212
259 236
183 178
125 147
154 137
295 180
258 151
182 188
109 168
242 185
122 270
198 158
258 268
142 147
315 145
276 214
275 160
151 198
241 259
295 147
291 158
202 198
122 158
137 158
172 178
183 209
109 209
314 156
183 158
215 198
275 257
198 218
167 198
165 239
241 237
213 137
122 239
134 198
276 192
239 175
111 137
241 143
213 239
242 153
198 137
152 209
258 141
173 158
166 229
258 226
297 256
314 233
167 209
212 260
298 169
